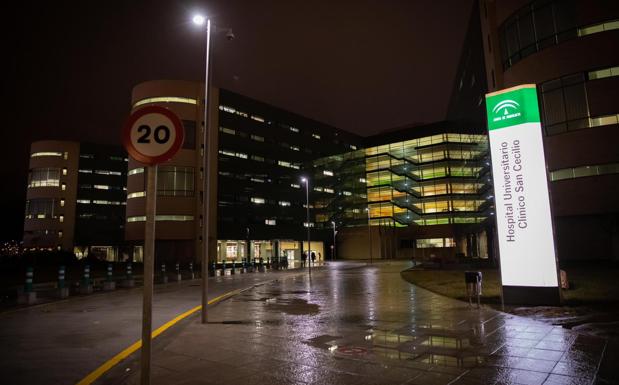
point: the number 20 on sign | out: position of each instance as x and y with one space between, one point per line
153 135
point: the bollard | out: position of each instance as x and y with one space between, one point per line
223 267
213 270
29 279
178 272
63 292
86 287
109 283
233 266
29 296
191 270
164 277
128 281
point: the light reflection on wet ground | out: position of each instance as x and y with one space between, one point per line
367 326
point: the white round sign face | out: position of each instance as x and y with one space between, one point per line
153 135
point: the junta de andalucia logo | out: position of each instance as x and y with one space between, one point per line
506 109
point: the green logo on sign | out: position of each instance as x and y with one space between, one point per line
512 107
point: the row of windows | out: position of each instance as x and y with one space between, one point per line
259 138
162 218
44 177
99 172
583 171
434 242
100 202
542 24
258 158
565 105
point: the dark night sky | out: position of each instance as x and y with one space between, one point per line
359 65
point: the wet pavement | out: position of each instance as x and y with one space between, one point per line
358 324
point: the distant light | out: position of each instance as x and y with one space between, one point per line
198 20
303 180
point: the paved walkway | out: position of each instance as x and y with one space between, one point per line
63 341
363 326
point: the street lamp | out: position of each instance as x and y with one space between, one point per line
334 248
309 244
369 233
206 196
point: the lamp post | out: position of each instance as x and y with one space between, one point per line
369 234
206 196
309 244
334 248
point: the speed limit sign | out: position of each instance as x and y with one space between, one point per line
153 135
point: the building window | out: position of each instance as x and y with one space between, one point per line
257 118
61 218
257 158
62 203
584 171
162 218
258 201
228 131
284 203
138 194
603 73
175 181
44 177
295 185
327 172
42 208
435 242
257 138
45 153
135 171
597 28
83 201
315 136
270 222
166 99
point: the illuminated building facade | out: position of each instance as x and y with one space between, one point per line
569 49
260 210
76 198
431 189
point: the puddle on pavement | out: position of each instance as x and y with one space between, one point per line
293 306
432 347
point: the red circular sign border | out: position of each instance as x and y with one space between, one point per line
150 160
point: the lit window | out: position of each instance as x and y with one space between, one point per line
65 155
329 190
241 155
62 203
83 201
316 136
318 188
64 186
596 28
45 153
311 224
44 177
270 222
347 193
258 201
106 202
327 172
134 171
84 171
295 148
258 118
227 130
283 163
227 109
294 129
604 73
258 158
257 138
60 234
101 187
294 185
107 172
165 99
61 218
136 195
284 203
353 147
363 180
257 180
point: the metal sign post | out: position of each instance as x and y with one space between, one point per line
149 267
151 135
